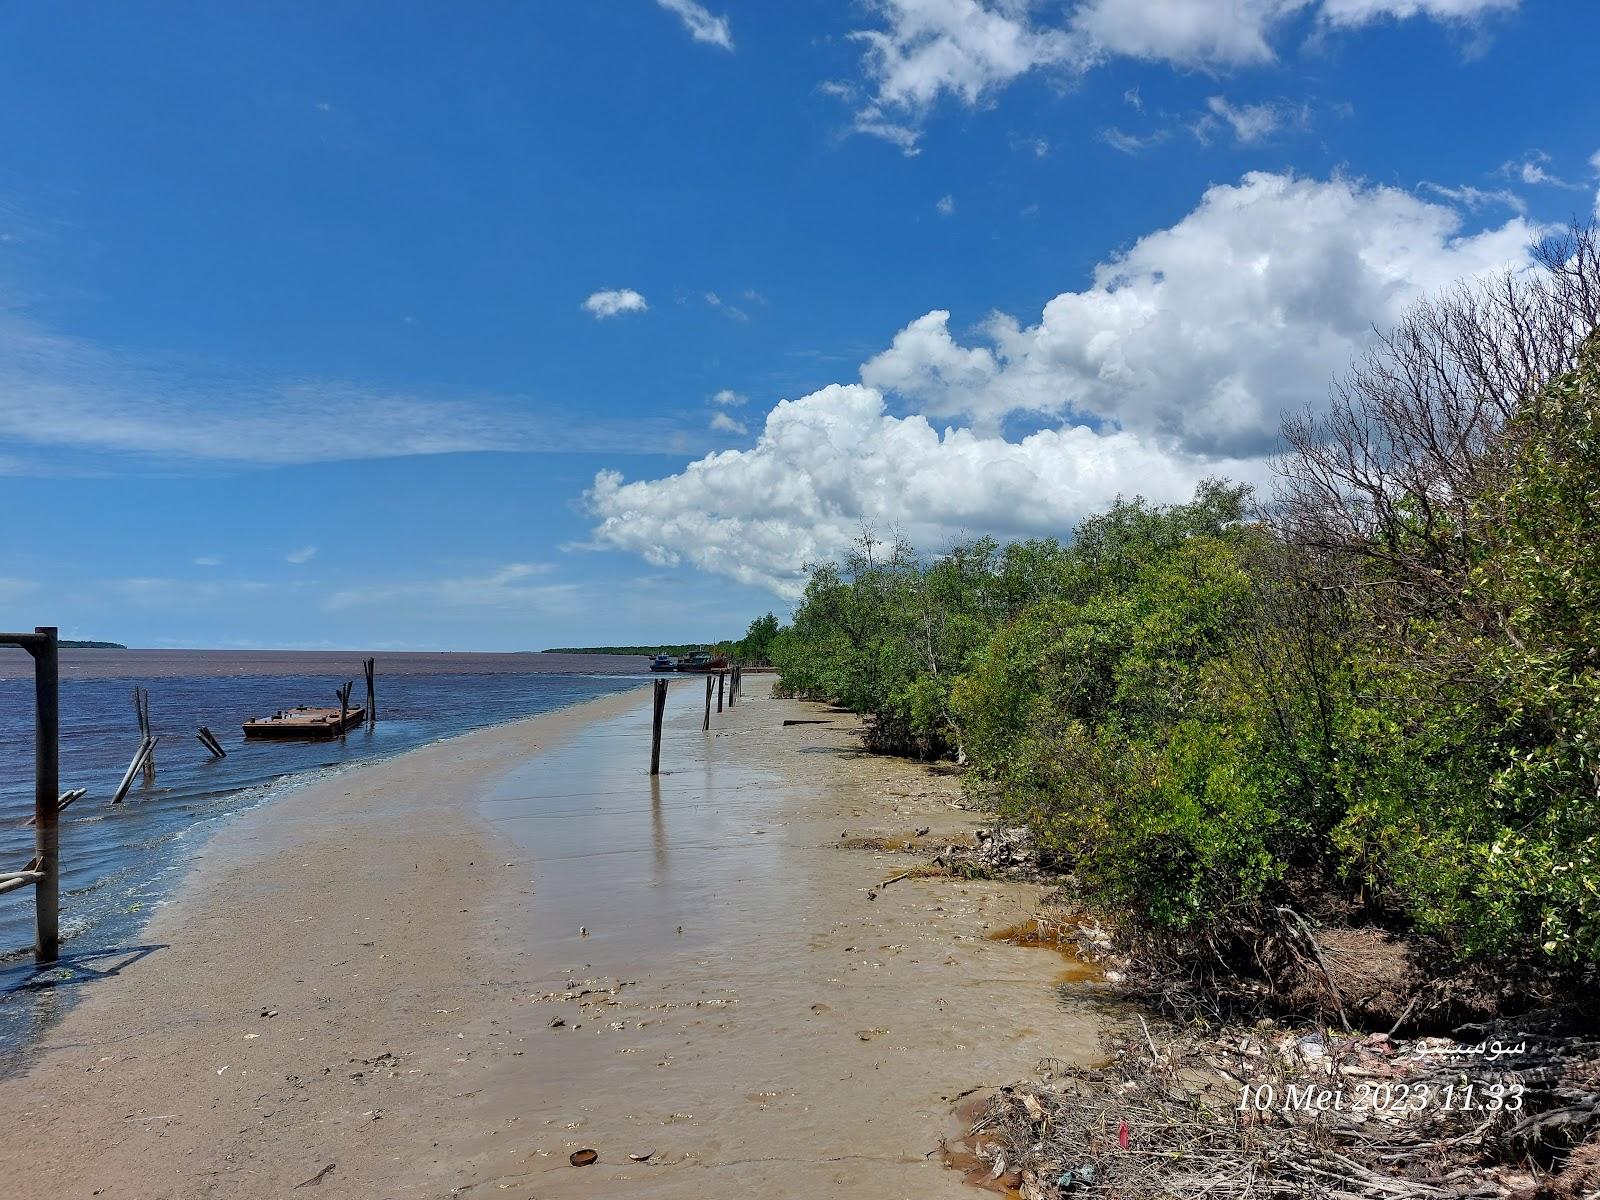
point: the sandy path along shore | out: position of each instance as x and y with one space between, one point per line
311 953
418 925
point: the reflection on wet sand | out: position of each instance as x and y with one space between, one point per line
736 1015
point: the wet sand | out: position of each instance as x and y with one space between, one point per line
491 952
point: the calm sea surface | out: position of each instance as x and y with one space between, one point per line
119 861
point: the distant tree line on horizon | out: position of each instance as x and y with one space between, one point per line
1375 690
752 650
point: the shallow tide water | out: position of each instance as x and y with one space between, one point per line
120 861
714 988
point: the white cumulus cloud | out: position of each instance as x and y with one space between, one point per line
723 423
921 51
1176 362
702 25
613 302
1208 330
835 458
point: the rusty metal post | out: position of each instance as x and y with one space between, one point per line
47 794
655 731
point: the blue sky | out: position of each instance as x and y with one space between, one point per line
509 325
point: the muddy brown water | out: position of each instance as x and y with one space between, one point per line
730 1003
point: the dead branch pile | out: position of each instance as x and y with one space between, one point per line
995 853
1266 1113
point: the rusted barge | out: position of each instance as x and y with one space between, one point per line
306 721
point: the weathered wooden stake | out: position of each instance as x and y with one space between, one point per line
655 730
371 667
46 795
145 750
209 741
141 710
722 678
344 703
733 687
705 725
66 799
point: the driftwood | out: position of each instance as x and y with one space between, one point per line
209 740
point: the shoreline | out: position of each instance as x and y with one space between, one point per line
364 976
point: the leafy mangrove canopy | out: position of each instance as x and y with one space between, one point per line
1382 683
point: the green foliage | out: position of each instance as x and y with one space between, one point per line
1202 719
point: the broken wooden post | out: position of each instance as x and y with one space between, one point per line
722 678
61 805
705 725
344 704
371 667
141 710
209 741
733 686
655 729
145 750
46 795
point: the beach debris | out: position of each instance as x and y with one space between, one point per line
583 931
269 1012
645 1157
557 1022
922 831
316 1180
584 1158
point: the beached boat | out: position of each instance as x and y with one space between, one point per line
701 660
305 721
663 662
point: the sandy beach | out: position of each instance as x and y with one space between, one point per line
444 973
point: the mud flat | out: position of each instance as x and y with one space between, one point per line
445 973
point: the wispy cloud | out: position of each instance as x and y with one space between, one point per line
1132 143
1250 123
207 560
728 398
1473 198
508 589
303 555
732 311
69 395
614 302
1533 169
701 23
946 206
12 590
723 423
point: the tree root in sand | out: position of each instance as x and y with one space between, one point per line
1263 1113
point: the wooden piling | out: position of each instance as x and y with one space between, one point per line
370 666
47 795
145 750
141 710
722 679
655 728
209 741
67 798
705 725
344 703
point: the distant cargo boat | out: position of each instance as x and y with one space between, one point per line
305 721
702 661
663 662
